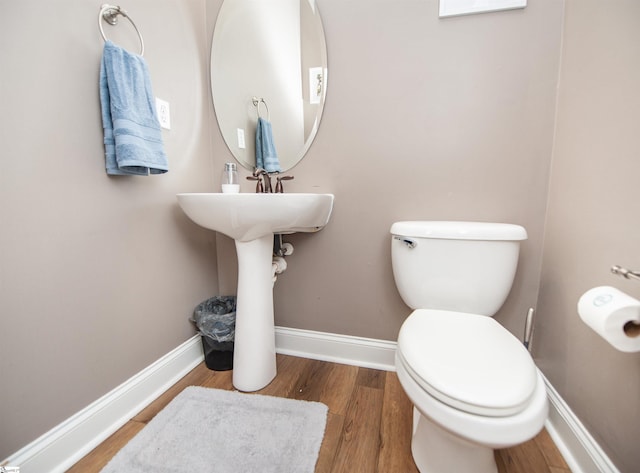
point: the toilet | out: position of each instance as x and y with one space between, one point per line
474 386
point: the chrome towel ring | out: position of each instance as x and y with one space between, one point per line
110 14
256 102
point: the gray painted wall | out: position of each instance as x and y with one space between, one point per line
98 274
592 221
425 119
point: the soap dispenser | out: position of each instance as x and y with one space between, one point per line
230 183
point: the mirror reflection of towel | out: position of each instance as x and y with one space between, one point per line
266 156
132 135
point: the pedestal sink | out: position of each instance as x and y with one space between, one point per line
252 220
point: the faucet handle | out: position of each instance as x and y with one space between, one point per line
258 179
279 179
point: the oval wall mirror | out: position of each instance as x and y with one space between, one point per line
269 59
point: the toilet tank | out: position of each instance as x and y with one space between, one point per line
457 266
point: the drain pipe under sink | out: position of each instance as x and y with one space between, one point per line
278 266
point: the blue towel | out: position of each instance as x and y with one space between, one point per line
132 135
266 156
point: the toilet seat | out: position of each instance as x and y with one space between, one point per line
493 432
467 361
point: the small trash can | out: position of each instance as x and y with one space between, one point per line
216 321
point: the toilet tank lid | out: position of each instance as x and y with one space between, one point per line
459 230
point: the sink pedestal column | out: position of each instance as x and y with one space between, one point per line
254 358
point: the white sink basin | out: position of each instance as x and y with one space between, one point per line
245 217
251 220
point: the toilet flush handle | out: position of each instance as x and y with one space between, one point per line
407 241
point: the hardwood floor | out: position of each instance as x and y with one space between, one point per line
368 425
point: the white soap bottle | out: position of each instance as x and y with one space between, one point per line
230 183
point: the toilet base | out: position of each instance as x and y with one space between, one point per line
435 450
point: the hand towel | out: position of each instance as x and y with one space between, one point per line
266 156
132 135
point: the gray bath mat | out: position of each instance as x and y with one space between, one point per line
215 431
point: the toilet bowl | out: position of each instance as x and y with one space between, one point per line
457 430
473 384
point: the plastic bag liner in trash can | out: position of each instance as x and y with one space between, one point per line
216 320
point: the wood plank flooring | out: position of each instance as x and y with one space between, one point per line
368 425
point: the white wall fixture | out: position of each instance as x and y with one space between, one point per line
315 85
252 220
467 7
164 113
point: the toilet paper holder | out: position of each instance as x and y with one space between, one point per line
624 272
632 329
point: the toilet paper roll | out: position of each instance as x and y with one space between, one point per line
613 315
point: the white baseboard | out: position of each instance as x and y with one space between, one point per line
65 444
579 449
345 349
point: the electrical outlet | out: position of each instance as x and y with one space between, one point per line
164 113
315 84
241 144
